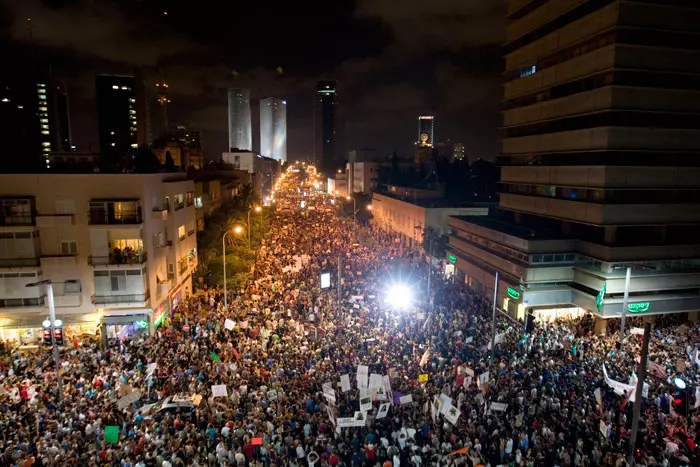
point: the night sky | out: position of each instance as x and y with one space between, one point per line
393 59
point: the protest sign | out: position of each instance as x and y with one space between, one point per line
344 383
407 399
452 414
345 422
375 381
272 395
498 406
445 403
383 410
423 378
637 331
365 403
362 375
219 390
468 340
229 324
150 369
256 441
484 378
111 434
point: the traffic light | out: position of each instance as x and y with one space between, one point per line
58 333
680 401
47 336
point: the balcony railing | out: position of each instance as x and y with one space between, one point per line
107 217
18 262
16 219
189 202
184 268
118 260
179 206
191 232
113 299
21 302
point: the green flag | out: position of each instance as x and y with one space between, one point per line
601 294
111 434
214 357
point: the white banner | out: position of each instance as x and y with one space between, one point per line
637 331
468 340
445 403
622 389
365 403
344 383
498 406
407 399
362 375
229 324
452 414
375 381
219 390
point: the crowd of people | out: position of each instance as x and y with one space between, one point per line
269 379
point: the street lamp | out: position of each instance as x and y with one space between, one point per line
53 324
625 298
257 209
354 207
369 207
399 296
237 229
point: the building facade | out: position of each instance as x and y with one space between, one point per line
119 249
325 126
362 177
240 123
263 171
426 130
273 128
410 220
600 168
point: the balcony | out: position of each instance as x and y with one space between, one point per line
21 302
19 262
110 217
184 267
9 220
191 232
179 205
116 299
121 259
159 214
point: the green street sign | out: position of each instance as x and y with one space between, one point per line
641 307
601 294
452 258
512 293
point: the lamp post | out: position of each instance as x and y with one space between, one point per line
257 209
237 230
354 207
52 324
625 299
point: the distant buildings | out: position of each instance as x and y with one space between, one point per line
273 128
450 150
262 171
163 100
426 131
123 115
326 148
184 147
240 124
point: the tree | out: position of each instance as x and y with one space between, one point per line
145 160
169 162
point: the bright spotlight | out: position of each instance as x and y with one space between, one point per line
399 296
679 383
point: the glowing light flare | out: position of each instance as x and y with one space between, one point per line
399 296
238 229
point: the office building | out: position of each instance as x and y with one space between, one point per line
123 115
426 131
362 177
163 100
240 123
600 171
273 128
325 126
450 150
263 170
119 249
34 115
183 145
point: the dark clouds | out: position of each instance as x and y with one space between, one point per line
393 60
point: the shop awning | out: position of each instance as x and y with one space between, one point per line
35 321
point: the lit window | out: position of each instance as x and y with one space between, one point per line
5 99
113 144
111 132
45 127
132 111
44 120
42 98
527 71
114 86
41 91
46 143
134 145
20 106
44 132
198 202
41 85
124 88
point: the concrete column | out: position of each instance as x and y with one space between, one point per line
600 326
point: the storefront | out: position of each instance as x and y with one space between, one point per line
28 330
122 326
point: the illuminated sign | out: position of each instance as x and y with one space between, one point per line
641 307
426 117
142 324
452 258
512 293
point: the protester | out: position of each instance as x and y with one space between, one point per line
279 350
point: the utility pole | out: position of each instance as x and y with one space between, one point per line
340 278
641 376
628 276
493 318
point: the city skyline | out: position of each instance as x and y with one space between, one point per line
453 76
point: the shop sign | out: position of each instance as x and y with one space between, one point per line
452 259
641 307
512 293
143 324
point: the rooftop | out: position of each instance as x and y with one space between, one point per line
438 202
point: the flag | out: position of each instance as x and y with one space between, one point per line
599 299
235 352
464 450
214 357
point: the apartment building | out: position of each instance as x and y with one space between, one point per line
599 159
119 249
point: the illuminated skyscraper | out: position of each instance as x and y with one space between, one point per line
426 130
325 124
273 128
240 126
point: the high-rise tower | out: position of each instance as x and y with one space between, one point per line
273 128
240 124
325 126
